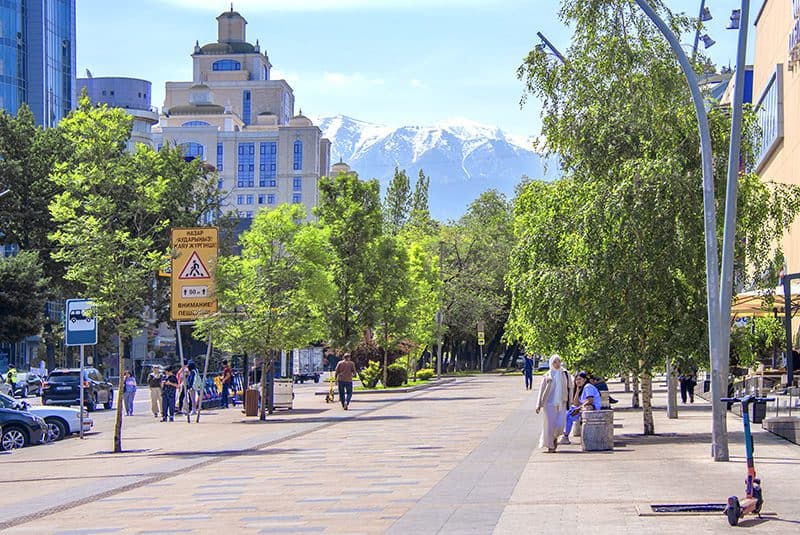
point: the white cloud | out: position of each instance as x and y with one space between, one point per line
349 80
244 6
415 83
277 74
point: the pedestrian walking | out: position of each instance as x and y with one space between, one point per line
553 396
687 383
194 387
527 370
227 376
128 392
154 382
183 372
169 386
11 377
345 371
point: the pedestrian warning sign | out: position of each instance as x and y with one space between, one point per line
194 268
194 257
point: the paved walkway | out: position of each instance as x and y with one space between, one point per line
459 458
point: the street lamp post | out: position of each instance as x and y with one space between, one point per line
719 434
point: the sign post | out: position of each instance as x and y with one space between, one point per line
481 341
81 330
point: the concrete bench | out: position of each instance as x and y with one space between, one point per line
597 430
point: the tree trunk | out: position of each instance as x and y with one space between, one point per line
647 404
263 413
672 391
118 418
635 395
385 360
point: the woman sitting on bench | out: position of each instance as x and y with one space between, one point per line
588 399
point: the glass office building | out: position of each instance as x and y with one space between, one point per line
37 57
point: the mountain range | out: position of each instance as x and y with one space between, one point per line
462 158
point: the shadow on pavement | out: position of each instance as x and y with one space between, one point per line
351 415
228 453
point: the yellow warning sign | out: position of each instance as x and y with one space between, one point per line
194 256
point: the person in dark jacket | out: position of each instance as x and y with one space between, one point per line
527 371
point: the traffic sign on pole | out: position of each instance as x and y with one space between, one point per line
80 323
194 257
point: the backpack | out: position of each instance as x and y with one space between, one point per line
197 383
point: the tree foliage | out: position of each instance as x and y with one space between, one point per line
23 289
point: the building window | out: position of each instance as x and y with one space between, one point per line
248 215
246 106
195 123
226 65
191 150
769 111
10 250
248 199
262 198
297 198
270 198
220 183
245 177
298 155
297 184
220 157
268 165
240 199
158 147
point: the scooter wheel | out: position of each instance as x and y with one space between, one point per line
733 511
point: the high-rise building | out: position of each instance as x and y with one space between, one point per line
236 118
37 57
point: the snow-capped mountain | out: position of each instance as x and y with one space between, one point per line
461 157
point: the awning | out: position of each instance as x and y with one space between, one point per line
763 302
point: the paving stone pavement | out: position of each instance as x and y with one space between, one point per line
459 458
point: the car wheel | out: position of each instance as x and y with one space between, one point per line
13 437
56 429
24 391
110 403
91 404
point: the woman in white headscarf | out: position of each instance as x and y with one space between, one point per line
553 398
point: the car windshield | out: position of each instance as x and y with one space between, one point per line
6 402
66 377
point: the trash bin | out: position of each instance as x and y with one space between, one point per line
597 433
251 402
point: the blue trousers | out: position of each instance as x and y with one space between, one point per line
224 401
571 419
345 392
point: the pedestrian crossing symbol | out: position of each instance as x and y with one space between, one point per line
194 268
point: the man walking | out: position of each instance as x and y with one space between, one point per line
154 382
227 375
528 371
11 377
168 388
345 371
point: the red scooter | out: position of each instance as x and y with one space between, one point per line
754 497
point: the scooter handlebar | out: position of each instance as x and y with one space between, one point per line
752 398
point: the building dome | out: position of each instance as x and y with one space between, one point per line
300 120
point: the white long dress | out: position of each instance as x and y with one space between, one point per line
554 411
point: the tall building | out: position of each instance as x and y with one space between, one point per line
37 57
776 94
130 94
235 117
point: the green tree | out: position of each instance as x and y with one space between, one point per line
274 295
608 267
351 209
397 204
23 289
113 216
393 304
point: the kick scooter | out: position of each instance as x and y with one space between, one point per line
754 498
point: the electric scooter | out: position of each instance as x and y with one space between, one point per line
754 498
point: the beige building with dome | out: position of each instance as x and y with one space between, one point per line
233 116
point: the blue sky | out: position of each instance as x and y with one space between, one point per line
393 62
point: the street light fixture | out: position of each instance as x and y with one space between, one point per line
708 42
4 192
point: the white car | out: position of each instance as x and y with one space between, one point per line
61 421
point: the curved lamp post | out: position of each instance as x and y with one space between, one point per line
717 340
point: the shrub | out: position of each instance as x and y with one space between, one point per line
370 375
424 374
396 375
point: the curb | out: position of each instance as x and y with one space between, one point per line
414 388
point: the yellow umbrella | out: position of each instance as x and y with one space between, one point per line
763 302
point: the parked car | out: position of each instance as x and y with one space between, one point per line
21 429
5 388
28 383
61 421
63 388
